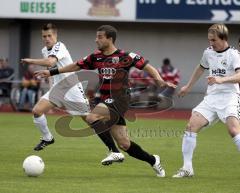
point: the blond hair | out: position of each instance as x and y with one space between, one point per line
220 30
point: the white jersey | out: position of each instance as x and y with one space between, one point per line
223 63
59 51
74 94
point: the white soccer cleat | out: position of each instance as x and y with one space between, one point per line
113 157
158 168
183 173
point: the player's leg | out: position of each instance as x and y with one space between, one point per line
120 134
97 120
77 95
196 122
230 116
39 118
233 126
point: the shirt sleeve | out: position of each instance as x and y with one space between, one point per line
203 62
138 61
236 61
87 63
59 51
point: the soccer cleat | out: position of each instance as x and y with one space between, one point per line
182 173
43 144
113 157
158 168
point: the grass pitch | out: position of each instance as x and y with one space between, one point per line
73 164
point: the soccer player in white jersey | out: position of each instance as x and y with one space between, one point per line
221 100
56 54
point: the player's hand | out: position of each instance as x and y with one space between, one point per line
183 91
169 84
214 80
26 61
42 74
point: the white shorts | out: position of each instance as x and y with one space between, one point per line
215 107
74 100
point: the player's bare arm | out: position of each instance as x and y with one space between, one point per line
69 68
194 78
156 76
227 79
51 72
48 62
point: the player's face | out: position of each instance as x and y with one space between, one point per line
102 41
49 38
216 43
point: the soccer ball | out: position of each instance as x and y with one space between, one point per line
33 166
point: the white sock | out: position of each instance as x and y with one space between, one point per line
188 146
41 124
236 140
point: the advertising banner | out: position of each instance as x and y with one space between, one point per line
120 10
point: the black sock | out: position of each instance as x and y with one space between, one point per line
105 136
137 152
108 141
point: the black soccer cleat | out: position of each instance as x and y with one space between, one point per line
43 144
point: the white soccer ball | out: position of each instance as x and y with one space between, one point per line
33 166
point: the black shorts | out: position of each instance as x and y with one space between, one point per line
121 120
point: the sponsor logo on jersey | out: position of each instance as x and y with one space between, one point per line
224 62
109 101
219 72
115 60
108 72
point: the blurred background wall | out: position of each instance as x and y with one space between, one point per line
180 40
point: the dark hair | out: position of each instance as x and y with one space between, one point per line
49 26
110 31
166 61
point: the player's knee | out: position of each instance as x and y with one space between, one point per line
36 112
124 145
233 131
191 127
90 118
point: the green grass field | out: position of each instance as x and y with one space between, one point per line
73 164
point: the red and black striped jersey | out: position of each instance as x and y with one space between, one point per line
108 67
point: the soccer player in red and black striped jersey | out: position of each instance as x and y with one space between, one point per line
113 66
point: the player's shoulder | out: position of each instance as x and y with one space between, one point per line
93 55
132 54
59 45
56 47
233 50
